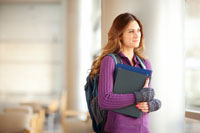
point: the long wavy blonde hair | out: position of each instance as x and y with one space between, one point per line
114 44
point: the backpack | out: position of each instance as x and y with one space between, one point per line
97 115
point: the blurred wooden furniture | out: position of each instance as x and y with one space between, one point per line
51 111
15 122
192 121
53 107
192 114
68 113
26 110
39 115
17 108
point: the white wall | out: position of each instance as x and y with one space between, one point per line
31 48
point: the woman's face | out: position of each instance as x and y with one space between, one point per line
131 35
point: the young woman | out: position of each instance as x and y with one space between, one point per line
125 38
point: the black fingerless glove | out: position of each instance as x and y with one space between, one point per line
154 105
144 95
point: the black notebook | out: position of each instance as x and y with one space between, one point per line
127 80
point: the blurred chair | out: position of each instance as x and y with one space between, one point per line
51 111
17 108
26 110
12 122
65 113
39 112
53 106
35 106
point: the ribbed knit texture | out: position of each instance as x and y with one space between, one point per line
118 123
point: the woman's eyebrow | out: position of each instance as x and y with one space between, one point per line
133 29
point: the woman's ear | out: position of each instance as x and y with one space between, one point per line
120 37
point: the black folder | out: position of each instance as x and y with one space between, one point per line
127 80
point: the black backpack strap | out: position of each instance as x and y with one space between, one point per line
141 62
116 58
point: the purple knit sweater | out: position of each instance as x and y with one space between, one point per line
118 123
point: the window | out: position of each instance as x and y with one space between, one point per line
192 53
30 49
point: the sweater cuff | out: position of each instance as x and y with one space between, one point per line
138 97
154 105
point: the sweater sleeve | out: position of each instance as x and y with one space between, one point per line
106 98
149 67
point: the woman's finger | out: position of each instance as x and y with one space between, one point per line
145 110
142 105
146 83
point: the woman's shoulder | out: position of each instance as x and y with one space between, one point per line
148 64
108 60
107 63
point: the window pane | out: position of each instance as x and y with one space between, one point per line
30 49
192 87
192 53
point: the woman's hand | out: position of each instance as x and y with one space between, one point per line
143 106
145 94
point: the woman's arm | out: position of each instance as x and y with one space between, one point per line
106 98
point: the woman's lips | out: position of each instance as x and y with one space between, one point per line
135 40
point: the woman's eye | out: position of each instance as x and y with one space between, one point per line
133 31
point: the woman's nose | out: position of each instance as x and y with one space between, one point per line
136 35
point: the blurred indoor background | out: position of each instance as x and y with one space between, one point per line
46 51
